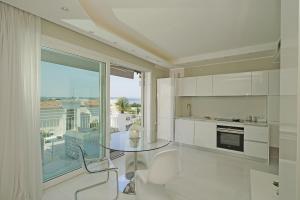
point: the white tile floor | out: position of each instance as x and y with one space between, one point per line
204 176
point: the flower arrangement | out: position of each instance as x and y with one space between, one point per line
134 131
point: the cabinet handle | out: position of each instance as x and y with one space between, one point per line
256 141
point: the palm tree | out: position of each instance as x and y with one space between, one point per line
122 104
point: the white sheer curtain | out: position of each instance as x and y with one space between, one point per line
20 151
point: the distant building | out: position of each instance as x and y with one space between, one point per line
59 116
85 118
73 115
53 117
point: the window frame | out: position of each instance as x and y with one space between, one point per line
60 45
63 47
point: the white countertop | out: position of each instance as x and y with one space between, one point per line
264 124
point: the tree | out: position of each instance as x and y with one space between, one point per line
135 105
122 104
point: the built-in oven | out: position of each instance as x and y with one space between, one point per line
230 137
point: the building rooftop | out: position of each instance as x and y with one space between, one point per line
92 103
50 104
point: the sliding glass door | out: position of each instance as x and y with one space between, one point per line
126 99
72 110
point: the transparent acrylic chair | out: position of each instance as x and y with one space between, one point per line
94 165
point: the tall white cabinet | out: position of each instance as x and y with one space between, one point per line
165 108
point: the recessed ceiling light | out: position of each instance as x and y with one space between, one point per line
64 8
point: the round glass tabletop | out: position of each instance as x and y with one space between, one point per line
121 141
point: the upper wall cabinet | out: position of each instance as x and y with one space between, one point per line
260 83
274 82
204 86
237 84
186 86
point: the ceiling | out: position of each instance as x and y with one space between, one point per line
171 33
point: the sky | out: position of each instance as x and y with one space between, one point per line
62 81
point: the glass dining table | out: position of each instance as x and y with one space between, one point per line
121 141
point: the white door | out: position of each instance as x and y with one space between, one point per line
184 131
260 83
205 134
204 86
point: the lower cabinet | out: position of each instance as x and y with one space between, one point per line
256 133
256 142
205 134
184 131
256 149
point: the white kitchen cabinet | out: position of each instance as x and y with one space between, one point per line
256 141
274 82
204 86
186 86
259 83
237 84
256 149
184 131
256 133
205 134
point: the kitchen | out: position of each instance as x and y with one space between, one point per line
235 113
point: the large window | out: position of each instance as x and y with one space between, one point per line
72 110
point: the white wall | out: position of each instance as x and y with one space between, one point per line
224 107
289 157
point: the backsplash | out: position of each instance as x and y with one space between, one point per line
223 107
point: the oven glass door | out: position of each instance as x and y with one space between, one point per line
230 141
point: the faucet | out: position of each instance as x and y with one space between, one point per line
189 108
